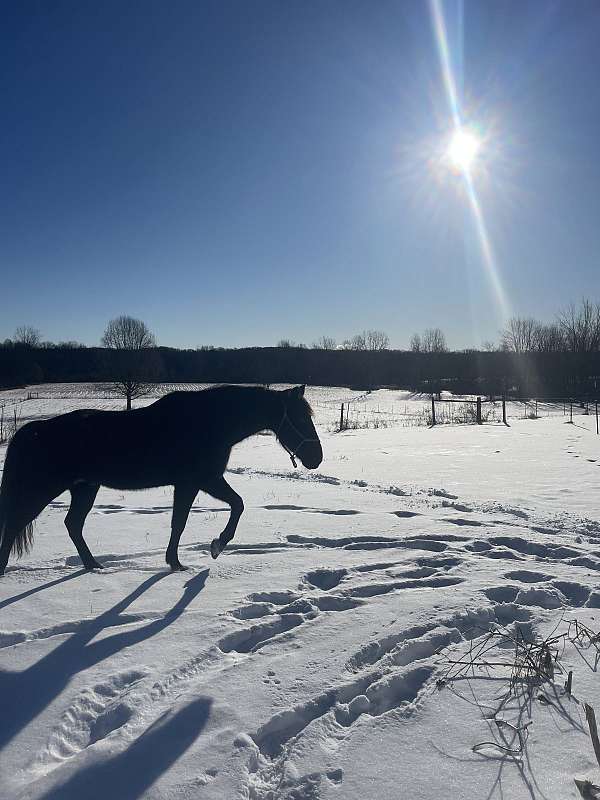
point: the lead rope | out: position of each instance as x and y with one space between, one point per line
290 454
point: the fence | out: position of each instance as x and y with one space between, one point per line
432 410
9 423
341 409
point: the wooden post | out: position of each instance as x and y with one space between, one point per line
479 410
342 418
504 410
591 721
569 682
432 410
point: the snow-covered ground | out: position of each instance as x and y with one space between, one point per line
311 659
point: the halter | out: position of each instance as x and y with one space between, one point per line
291 453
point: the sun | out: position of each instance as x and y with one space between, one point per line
463 149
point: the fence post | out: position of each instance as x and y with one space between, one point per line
342 418
479 410
504 410
432 410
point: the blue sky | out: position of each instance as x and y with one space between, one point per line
239 172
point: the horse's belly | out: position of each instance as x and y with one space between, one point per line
140 477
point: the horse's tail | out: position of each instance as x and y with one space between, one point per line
13 478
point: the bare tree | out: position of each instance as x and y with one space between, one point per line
434 341
550 339
527 335
415 343
489 347
288 343
581 327
376 340
520 335
325 343
367 340
359 342
28 336
127 333
133 359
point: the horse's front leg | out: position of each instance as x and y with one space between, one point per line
221 490
183 497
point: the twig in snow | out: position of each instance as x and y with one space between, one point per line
522 733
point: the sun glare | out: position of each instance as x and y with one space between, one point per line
463 149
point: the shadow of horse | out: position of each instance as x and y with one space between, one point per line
8 601
130 773
27 693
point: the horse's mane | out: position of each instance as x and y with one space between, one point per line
260 390
308 407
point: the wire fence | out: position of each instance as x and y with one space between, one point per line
467 410
337 410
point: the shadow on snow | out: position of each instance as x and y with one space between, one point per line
130 773
27 693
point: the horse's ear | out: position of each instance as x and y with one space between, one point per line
295 391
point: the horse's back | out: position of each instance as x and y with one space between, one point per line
157 445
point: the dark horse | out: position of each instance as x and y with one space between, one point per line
184 439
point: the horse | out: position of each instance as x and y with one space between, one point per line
184 439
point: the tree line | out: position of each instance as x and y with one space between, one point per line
576 329
561 358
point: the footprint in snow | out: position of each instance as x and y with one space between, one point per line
527 576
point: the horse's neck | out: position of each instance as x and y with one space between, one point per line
254 413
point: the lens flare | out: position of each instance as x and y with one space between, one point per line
463 149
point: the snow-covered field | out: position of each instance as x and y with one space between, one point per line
311 659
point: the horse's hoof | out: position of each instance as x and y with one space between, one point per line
177 567
93 565
215 547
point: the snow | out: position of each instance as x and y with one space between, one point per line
308 660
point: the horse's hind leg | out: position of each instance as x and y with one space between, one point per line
220 489
183 497
82 500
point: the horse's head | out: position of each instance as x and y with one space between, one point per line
296 432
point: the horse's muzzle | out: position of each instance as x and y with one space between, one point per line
311 455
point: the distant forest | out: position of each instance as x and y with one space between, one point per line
542 374
560 359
